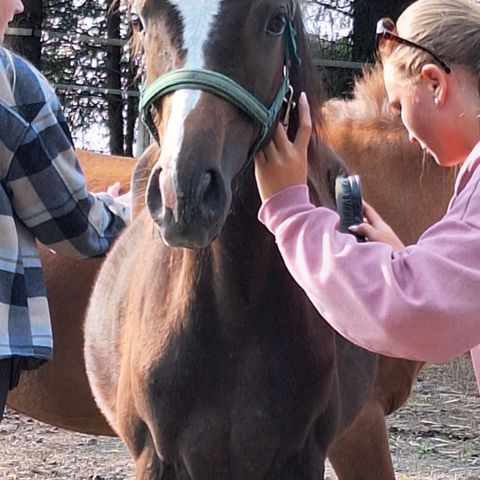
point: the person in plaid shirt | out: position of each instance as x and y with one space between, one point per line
43 197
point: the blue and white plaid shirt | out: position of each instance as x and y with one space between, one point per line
42 196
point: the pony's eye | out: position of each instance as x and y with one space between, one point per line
136 22
277 25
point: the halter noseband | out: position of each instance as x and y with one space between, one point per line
226 88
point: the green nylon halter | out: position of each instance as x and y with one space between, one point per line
224 87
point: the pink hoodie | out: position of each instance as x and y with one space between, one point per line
422 303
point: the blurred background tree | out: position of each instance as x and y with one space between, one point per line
342 34
81 47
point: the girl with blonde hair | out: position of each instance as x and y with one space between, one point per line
43 197
422 301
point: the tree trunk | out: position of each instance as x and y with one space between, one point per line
132 113
114 81
31 19
366 15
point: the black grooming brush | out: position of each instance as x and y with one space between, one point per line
348 196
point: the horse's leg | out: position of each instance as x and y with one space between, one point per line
135 433
137 438
301 468
149 467
306 465
362 451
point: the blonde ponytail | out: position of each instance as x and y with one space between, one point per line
450 28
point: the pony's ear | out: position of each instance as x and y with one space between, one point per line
140 176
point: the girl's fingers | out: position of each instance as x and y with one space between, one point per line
375 235
280 138
260 157
363 229
280 148
371 214
114 190
305 123
270 151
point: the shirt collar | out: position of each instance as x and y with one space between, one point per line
467 169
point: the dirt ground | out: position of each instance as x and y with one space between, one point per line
434 437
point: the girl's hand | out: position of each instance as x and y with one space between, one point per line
125 198
376 230
282 163
114 190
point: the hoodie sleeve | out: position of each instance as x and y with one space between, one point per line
421 303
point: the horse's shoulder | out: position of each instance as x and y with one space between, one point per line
103 170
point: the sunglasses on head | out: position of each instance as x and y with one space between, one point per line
386 31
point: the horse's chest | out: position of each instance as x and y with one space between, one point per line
231 400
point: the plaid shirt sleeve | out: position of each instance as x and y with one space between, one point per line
43 178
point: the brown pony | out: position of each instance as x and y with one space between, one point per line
202 353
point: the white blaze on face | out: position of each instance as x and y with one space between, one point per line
197 18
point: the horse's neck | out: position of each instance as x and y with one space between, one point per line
245 255
324 167
243 262
238 268
242 243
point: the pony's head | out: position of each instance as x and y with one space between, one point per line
217 74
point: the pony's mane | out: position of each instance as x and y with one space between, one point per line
324 164
368 106
303 78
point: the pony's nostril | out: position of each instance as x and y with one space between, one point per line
168 191
209 191
154 197
206 184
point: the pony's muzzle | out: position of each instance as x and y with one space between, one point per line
188 215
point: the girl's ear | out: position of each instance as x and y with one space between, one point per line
436 80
